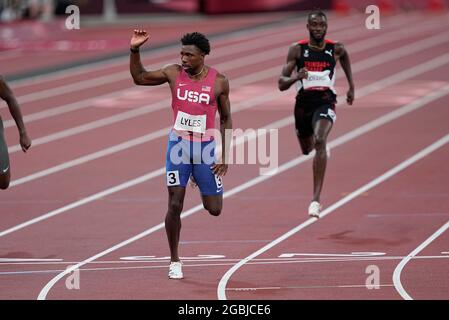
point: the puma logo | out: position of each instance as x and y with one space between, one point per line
329 52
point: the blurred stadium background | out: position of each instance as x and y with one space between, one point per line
36 28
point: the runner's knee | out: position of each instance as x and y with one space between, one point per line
214 210
175 206
320 142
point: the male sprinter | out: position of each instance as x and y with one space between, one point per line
25 142
314 60
198 91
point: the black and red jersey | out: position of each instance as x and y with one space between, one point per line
319 85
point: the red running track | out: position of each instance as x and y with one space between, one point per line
43 218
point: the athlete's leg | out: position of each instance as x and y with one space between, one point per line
178 171
173 219
210 185
213 204
321 131
304 130
5 174
307 144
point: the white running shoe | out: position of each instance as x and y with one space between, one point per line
314 209
175 271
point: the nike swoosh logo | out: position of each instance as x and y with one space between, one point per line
182 84
4 171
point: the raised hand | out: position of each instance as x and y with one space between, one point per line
139 37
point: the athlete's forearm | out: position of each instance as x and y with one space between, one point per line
14 109
7 95
285 83
346 65
135 67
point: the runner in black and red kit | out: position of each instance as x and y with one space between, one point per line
314 61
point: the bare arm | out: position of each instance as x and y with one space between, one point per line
138 72
224 109
286 80
7 95
343 56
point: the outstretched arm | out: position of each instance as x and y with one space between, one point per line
343 55
7 95
286 80
224 109
138 72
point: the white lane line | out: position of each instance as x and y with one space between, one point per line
279 124
13 260
147 260
305 287
86 200
373 183
397 271
355 47
339 141
195 263
204 263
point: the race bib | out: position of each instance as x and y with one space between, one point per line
188 122
317 80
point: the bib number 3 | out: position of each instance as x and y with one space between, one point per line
172 178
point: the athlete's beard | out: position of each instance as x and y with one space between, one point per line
317 40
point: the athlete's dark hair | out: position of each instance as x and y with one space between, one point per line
316 12
197 39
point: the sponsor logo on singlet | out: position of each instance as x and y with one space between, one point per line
330 114
193 96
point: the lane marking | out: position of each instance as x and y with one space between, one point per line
373 183
306 287
2 260
397 271
339 141
288 120
157 264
